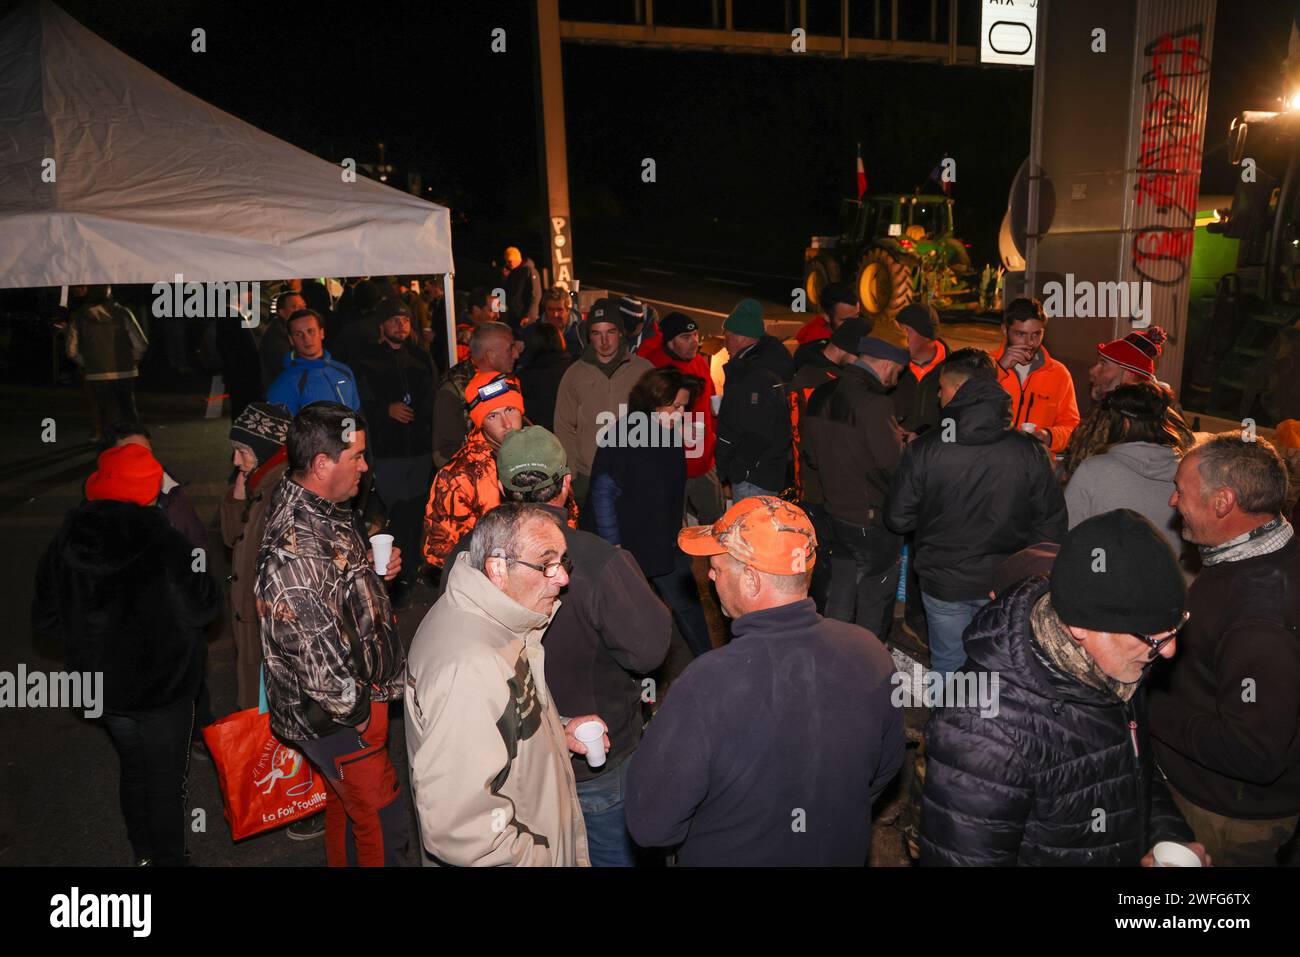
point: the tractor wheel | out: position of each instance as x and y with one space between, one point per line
818 273
884 285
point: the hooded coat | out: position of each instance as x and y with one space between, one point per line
754 420
117 588
1062 774
1136 475
490 771
975 499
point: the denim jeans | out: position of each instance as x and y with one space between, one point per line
680 593
741 490
154 748
946 621
601 798
864 591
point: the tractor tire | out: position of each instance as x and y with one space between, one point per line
818 272
884 286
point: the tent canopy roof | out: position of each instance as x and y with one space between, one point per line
149 181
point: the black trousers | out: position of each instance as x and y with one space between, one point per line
154 748
864 592
115 400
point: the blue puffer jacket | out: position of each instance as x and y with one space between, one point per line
1062 774
304 381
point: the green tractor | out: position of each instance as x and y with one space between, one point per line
900 248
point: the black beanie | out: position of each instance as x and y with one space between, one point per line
1116 573
606 310
922 317
850 333
675 324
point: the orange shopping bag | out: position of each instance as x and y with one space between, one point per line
265 784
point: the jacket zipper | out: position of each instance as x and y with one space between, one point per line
1137 775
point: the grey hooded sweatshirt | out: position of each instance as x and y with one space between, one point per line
1136 475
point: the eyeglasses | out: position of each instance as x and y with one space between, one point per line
1158 643
550 569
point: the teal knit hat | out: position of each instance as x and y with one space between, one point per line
746 320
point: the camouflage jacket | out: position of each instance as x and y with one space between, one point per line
329 635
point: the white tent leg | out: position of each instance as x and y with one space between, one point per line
449 305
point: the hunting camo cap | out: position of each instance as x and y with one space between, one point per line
772 535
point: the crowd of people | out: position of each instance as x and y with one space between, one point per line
1127 591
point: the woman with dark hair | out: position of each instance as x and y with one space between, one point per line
1124 455
540 378
638 490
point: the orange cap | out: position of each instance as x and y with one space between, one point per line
772 535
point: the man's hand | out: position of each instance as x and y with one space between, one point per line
576 746
394 562
1195 847
1016 356
401 412
1044 436
239 491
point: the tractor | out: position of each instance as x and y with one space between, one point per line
900 248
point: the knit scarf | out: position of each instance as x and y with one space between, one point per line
610 367
1068 656
1267 538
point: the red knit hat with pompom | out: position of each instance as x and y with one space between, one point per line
1137 351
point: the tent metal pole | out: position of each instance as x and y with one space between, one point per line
449 306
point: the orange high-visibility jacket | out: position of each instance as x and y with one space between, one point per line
1046 399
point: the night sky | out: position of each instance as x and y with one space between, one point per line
753 152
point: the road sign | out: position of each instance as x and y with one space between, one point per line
1007 31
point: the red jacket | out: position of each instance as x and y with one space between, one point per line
653 350
814 329
1046 399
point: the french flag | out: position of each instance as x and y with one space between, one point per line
862 174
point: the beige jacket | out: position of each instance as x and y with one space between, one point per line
585 392
490 772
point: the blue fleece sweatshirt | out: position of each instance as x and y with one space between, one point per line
304 381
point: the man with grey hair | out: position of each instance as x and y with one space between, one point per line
770 750
489 756
492 347
1224 713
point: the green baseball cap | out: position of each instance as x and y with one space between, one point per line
531 449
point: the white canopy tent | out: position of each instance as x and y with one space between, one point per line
111 174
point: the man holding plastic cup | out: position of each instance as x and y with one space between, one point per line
332 655
489 754
1041 752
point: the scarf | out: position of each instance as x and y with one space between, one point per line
1267 538
1056 642
610 367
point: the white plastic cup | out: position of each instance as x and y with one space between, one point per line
1172 854
592 734
1027 427
717 403
383 549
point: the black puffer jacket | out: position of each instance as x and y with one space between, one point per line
975 499
1052 778
754 419
117 587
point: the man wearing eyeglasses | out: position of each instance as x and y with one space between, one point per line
1224 713
489 754
1057 767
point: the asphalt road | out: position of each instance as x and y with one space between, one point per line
58 771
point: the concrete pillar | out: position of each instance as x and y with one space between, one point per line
1115 153
555 161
